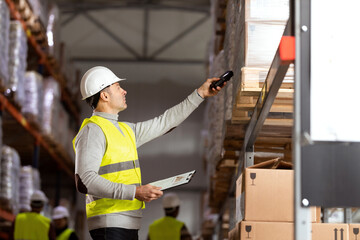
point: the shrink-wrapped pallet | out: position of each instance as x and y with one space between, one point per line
29 182
33 96
53 31
17 62
50 107
4 42
9 186
266 10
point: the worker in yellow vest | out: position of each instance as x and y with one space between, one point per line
32 225
60 219
107 168
168 227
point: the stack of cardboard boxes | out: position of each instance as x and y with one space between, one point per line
265 207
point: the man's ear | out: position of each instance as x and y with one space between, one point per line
104 96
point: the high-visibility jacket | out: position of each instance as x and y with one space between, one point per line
65 234
119 164
31 226
166 228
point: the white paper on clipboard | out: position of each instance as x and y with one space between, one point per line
174 181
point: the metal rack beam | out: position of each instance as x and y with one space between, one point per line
65 164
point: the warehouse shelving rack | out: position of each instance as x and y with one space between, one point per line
254 129
47 62
32 135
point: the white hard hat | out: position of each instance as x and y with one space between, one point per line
60 212
38 196
96 79
170 200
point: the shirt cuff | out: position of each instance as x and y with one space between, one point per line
199 94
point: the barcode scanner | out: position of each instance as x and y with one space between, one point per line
223 78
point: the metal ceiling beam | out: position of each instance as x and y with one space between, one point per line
140 60
146 32
103 28
179 36
69 19
67 8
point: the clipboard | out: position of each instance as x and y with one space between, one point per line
174 181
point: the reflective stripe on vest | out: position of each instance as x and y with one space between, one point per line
65 234
165 228
119 164
31 226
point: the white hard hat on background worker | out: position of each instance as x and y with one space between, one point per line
170 200
96 79
38 196
60 212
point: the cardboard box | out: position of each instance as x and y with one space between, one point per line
354 231
267 194
250 230
330 231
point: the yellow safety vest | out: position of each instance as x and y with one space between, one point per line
31 226
119 164
166 228
65 234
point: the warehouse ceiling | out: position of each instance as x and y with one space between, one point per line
161 48
165 31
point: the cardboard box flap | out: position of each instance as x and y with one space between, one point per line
276 163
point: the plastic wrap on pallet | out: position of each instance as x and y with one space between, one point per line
266 10
261 42
33 86
53 31
4 42
50 106
29 181
17 62
253 77
9 186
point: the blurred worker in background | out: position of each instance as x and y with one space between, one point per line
32 225
168 228
107 168
60 219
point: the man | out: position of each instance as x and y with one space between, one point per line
60 218
32 225
168 228
107 168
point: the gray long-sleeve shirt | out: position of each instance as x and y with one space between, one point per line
90 145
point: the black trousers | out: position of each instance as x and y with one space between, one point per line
114 234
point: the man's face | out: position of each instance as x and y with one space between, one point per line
60 223
117 97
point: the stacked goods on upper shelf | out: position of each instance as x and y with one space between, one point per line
55 120
31 107
53 31
260 26
17 62
9 176
29 182
4 42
